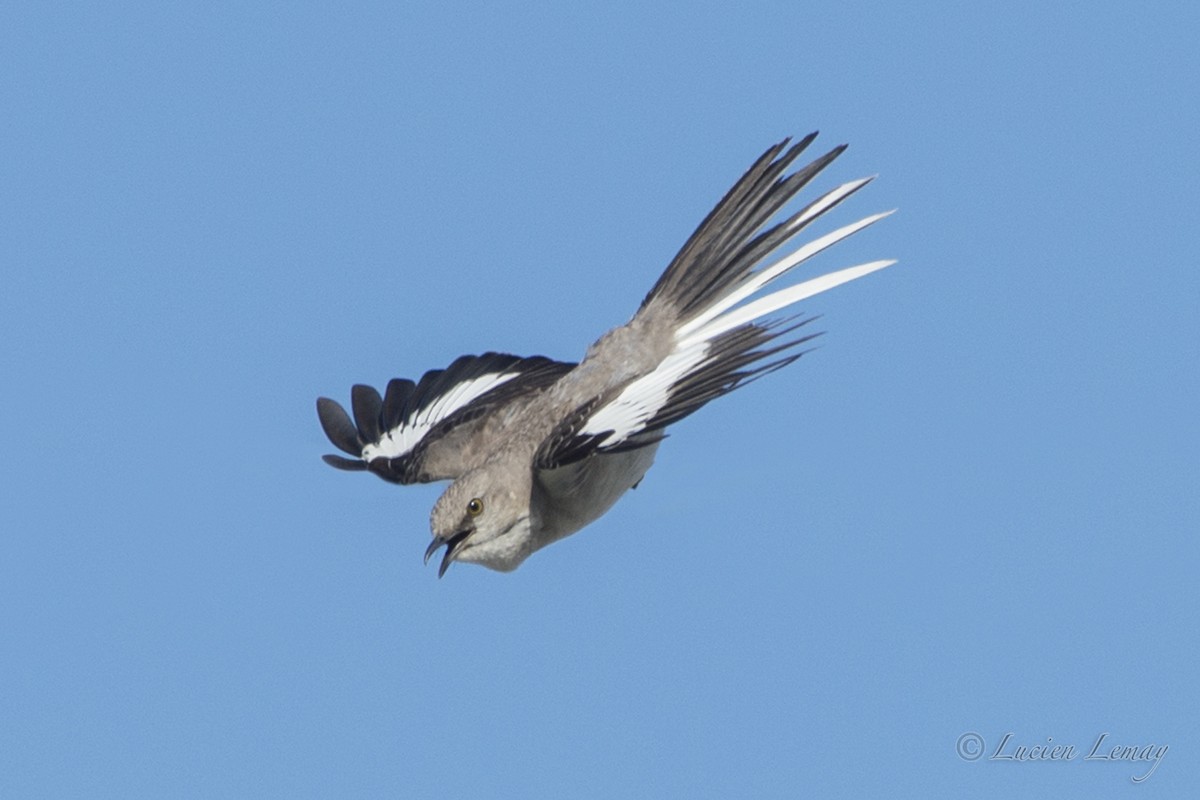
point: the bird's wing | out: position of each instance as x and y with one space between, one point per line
420 432
715 334
637 414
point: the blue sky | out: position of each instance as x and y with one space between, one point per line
973 510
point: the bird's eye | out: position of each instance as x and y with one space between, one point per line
475 507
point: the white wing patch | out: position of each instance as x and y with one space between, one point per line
628 412
405 436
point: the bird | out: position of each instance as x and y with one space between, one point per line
534 448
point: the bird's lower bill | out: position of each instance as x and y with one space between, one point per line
453 546
502 552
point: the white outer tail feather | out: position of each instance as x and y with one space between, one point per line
781 299
710 323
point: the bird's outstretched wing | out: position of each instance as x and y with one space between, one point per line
420 432
638 413
716 332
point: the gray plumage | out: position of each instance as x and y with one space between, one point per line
538 448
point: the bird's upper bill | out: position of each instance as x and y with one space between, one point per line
453 545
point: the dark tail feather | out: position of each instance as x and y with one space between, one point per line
724 248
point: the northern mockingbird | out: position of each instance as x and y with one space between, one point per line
538 448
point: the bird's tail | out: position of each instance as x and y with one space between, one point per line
707 284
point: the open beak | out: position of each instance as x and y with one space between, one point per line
454 545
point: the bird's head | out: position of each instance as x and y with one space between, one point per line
483 520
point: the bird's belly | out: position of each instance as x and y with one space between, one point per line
573 496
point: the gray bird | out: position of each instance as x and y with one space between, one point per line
538 448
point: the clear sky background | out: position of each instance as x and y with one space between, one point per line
974 509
